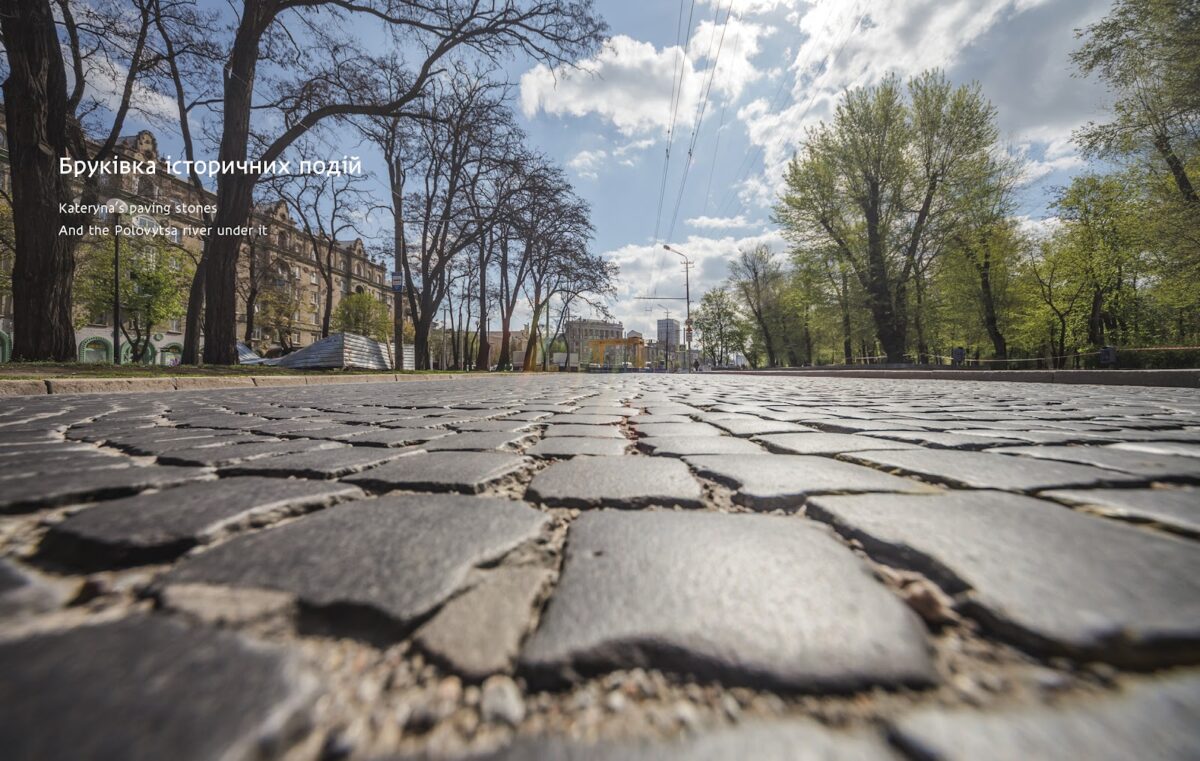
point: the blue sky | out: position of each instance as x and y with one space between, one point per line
776 67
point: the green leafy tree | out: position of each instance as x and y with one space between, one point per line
721 326
365 315
882 186
154 279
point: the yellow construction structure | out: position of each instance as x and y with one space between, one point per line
600 346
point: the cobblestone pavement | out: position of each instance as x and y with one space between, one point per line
602 567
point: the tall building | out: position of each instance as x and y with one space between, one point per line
286 259
668 333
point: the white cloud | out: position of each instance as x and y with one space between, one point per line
721 223
1016 48
647 270
733 54
628 83
586 163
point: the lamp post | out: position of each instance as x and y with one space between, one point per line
687 286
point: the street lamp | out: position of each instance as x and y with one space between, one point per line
687 267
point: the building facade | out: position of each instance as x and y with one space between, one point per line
668 332
579 332
289 257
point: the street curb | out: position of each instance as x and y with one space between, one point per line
60 386
1159 378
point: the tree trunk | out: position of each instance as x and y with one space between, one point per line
988 300
327 307
505 358
192 320
1096 319
482 360
234 194
35 98
1178 171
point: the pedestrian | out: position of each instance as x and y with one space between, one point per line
695 365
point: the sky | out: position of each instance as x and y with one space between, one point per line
737 82
777 67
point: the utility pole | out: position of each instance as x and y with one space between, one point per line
687 285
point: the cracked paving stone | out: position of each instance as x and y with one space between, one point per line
326 463
1151 719
467 472
935 439
1153 466
784 481
381 564
38 464
681 446
1174 509
1048 578
583 431
567 446
758 427
985 470
220 456
481 442
799 740
1177 448
502 426
478 633
577 419
22 494
397 437
753 600
23 593
676 429
625 482
157 445
146 688
158 527
826 443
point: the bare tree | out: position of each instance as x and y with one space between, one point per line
327 210
306 88
46 122
757 278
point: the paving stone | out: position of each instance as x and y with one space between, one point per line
145 688
397 437
22 593
583 431
220 456
800 740
1151 719
569 446
35 492
478 633
784 481
1174 509
1152 466
1177 448
680 446
35 464
862 426
762 601
757 427
157 527
481 442
577 419
325 463
467 472
986 470
938 440
159 444
826 443
507 426
1051 579
380 565
624 482
676 429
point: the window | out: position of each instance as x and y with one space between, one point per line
146 187
312 278
312 297
296 273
